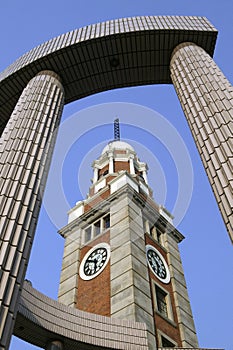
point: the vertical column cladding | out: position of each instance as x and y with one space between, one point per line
68 286
180 294
206 97
165 314
26 150
130 287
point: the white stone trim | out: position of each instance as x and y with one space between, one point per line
121 181
76 212
101 184
144 187
165 213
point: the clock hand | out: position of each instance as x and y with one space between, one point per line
98 258
96 261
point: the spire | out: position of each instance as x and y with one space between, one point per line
116 130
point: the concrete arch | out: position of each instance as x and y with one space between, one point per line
114 54
41 319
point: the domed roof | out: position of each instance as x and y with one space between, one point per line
121 145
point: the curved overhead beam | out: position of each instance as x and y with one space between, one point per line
118 53
41 319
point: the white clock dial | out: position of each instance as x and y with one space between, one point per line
94 261
157 264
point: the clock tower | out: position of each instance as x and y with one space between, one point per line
121 257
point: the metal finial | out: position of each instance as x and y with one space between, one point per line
116 129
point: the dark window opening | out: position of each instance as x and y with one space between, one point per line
141 176
97 228
88 234
159 236
161 297
101 174
167 343
106 221
152 231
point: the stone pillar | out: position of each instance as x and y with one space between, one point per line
206 97
55 345
131 166
111 164
25 153
96 171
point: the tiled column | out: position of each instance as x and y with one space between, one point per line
25 153
206 97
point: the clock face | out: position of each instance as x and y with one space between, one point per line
157 264
94 261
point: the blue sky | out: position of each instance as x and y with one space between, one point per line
206 251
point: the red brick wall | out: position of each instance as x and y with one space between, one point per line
94 295
119 151
172 330
121 166
101 171
97 200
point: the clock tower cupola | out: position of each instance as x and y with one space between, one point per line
121 257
